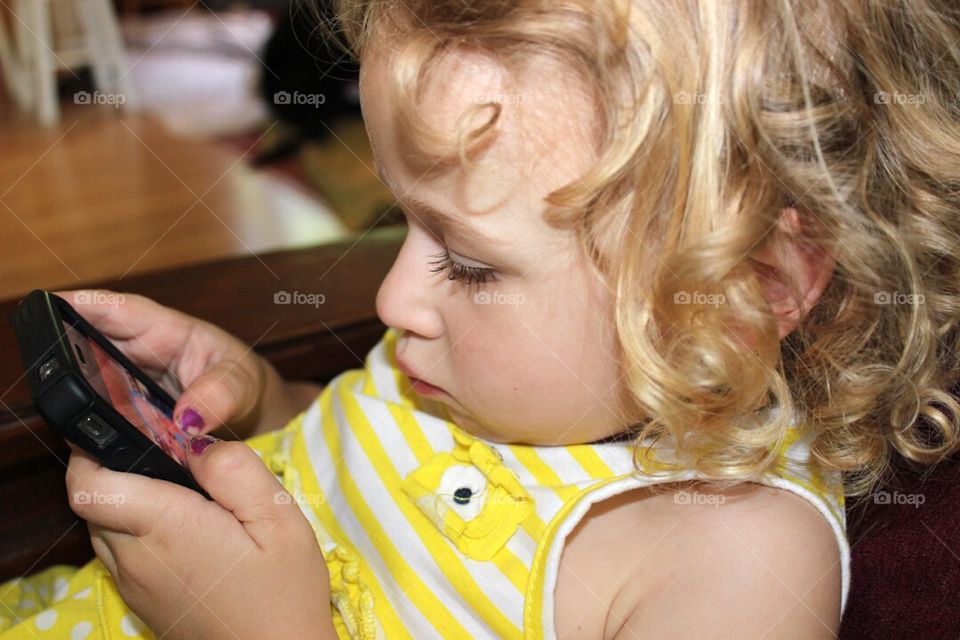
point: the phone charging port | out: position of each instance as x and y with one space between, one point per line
47 369
97 430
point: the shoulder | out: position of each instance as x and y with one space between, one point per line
745 561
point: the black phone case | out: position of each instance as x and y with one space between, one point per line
66 400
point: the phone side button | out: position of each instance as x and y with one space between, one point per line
97 430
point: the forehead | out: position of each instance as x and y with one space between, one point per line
546 133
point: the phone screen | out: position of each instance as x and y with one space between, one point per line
130 397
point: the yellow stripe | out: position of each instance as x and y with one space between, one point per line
368 387
590 460
513 567
815 483
299 458
534 526
543 473
266 443
405 576
412 433
433 540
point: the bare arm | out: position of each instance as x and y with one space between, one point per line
762 564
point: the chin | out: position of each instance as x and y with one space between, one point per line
474 428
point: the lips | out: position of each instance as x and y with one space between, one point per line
407 371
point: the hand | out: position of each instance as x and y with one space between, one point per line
223 379
245 566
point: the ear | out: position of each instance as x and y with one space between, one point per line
792 271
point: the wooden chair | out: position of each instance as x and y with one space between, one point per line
906 560
51 35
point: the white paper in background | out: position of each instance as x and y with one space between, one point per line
198 72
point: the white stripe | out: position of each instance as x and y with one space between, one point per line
547 502
499 589
388 432
404 536
564 465
435 430
619 457
324 465
378 366
524 547
434 427
488 577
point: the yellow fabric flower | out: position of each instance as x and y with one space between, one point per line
471 496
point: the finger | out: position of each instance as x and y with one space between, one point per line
79 465
99 540
226 392
125 319
239 481
118 315
127 503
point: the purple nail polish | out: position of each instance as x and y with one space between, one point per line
198 444
191 421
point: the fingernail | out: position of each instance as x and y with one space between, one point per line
198 444
191 421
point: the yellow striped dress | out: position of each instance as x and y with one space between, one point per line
428 531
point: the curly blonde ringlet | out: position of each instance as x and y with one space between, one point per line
715 118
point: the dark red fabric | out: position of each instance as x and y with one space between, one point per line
905 559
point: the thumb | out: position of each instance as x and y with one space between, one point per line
226 392
238 480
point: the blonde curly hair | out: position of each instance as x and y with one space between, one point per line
716 116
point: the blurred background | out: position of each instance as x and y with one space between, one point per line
138 135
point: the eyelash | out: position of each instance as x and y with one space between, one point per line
459 271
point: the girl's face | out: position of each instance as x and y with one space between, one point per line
528 356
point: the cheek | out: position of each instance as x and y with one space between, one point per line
511 355
553 351
491 357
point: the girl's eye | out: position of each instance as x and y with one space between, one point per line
459 271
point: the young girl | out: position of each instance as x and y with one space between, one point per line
678 276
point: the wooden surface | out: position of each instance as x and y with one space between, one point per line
37 527
107 195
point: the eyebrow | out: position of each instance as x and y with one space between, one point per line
425 213
455 226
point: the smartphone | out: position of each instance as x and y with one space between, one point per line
94 396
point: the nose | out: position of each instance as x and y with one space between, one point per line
408 294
